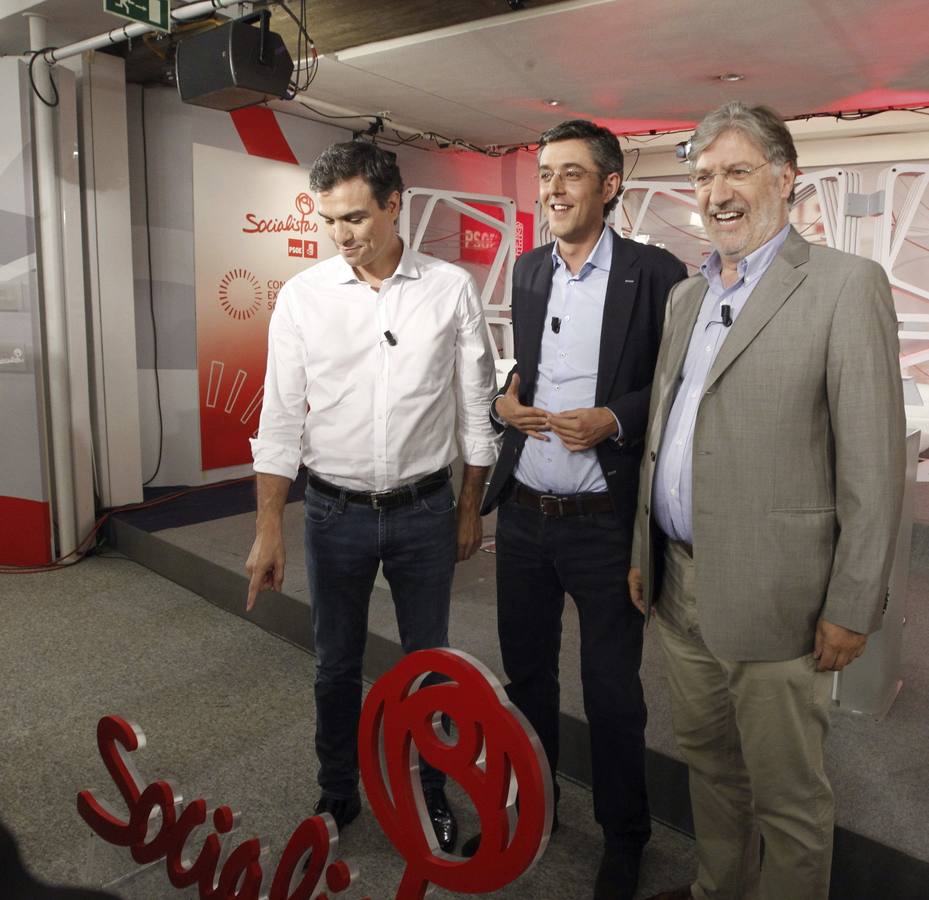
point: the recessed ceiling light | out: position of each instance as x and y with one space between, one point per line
552 102
730 76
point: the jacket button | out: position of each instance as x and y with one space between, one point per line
646 509
651 456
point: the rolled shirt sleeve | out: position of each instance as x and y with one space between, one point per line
277 449
475 382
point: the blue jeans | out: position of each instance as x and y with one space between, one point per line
345 541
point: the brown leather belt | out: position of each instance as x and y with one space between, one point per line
384 499
559 505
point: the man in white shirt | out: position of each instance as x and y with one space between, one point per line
379 373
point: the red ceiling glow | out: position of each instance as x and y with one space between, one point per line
878 98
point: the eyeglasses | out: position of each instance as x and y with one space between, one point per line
734 176
570 174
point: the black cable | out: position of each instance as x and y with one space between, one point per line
635 162
35 90
319 112
305 47
151 292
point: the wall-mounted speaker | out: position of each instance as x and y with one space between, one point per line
233 65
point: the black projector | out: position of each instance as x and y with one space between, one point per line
233 65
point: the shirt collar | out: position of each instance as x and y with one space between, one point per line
601 257
408 267
751 267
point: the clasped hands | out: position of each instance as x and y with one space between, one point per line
578 429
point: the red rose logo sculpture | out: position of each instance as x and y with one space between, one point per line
494 753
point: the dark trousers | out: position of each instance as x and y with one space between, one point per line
540 558
416 544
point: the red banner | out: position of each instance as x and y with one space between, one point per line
479 242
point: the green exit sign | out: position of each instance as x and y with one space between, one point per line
156 13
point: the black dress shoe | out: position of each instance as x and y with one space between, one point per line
469 847
442 818
618 875
343 809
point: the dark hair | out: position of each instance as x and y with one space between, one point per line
358 159
760 124
602 143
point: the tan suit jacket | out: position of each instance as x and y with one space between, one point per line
798 455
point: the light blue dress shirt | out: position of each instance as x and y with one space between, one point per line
567 378
672 488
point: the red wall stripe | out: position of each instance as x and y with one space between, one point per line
261 134
25 532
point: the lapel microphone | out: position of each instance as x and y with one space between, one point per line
390 339
727 314
556 324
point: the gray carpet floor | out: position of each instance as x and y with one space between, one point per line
228 712
879 769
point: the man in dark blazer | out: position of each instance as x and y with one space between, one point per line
587 319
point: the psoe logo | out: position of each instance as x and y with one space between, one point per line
301 249
304 205
239 294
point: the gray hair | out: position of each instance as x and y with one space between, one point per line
760 124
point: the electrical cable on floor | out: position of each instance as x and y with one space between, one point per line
86 545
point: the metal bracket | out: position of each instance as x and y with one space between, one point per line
864 205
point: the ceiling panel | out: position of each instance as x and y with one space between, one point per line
639 66
335 24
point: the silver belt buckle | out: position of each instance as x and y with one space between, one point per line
377 497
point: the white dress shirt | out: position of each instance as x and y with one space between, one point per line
359 412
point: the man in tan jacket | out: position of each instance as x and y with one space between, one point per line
769 503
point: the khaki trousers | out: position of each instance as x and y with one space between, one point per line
752 736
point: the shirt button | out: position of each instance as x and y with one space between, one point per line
562 355
557 387
673 492
567 318
709 349
693 395
679 443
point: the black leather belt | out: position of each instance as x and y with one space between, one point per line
560 505
384 499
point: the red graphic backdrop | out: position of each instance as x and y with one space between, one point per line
248 241
479 242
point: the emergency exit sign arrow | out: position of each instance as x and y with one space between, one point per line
156 13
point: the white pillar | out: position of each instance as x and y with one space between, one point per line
53 299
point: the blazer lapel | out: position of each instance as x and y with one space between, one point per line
533 307
684 312
776 285
621 290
